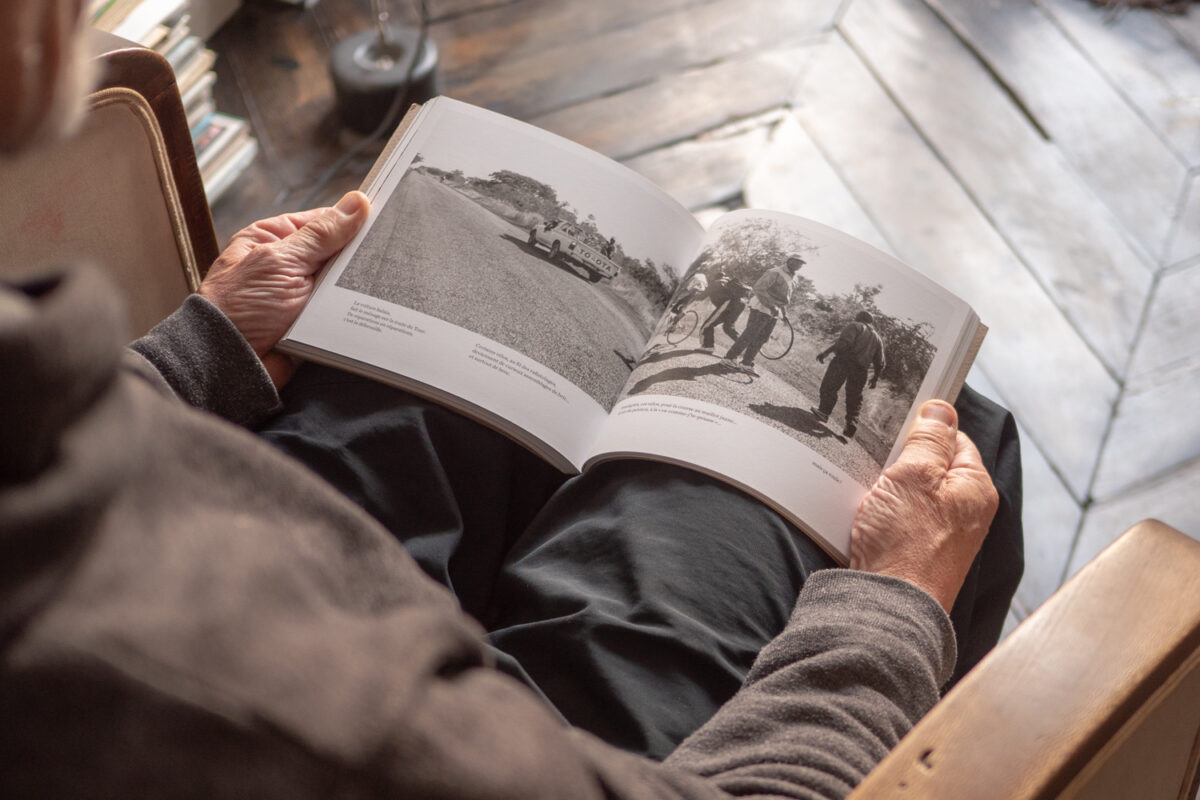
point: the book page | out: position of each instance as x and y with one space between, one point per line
766 397
505 268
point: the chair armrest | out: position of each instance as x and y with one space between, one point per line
1095 695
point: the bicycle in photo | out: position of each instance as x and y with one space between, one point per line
683 326
783 336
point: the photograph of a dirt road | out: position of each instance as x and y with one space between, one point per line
457 247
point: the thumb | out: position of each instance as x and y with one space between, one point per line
329 232
933 436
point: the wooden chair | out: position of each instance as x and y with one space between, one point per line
1095 696
124 194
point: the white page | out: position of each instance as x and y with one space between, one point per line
686 405
443 289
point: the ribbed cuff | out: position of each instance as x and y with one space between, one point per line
207 362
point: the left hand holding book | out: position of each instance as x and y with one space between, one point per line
265 276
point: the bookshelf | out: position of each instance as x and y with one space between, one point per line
178 29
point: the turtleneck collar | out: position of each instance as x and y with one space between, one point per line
61 338
68 431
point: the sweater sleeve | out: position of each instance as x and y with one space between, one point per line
199 356
861 660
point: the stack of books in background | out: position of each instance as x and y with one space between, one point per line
224 146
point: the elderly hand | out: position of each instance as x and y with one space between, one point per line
265 276
927 515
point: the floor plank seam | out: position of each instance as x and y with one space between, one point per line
805 39
1180 266
983 211
438 24
456 15
724 129
1182 40
1089 500
1027 441
1178 219
984 62
1100 69
840 13
841 176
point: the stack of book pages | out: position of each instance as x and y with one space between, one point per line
224 146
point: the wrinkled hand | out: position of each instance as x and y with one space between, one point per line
926 516
265 276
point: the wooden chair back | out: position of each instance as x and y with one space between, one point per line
124 194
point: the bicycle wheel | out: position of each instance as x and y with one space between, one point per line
780 343
683 326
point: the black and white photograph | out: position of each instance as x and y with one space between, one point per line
530 246
798 331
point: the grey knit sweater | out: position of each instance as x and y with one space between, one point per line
185 612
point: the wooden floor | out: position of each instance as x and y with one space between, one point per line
1042 159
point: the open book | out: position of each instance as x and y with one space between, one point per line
560 298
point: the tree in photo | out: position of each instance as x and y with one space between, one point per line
747 250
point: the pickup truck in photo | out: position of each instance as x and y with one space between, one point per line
566 241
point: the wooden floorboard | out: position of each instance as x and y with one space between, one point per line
1051 515
793 176
1186 28
1055 224
1032 354
1112 146
1140 55
1171 340
1185 235
1171 499
474 44
441 9
710 169
1146 438
273 69
555 77
683 104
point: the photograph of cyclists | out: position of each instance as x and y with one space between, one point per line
543 247
797 331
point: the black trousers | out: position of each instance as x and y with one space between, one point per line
853 376
634 597
724 317
758 330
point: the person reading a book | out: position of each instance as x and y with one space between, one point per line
226 576
772 293
857 350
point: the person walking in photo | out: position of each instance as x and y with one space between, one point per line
771 295
857 349
729 296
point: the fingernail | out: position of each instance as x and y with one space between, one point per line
349 204
941 412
